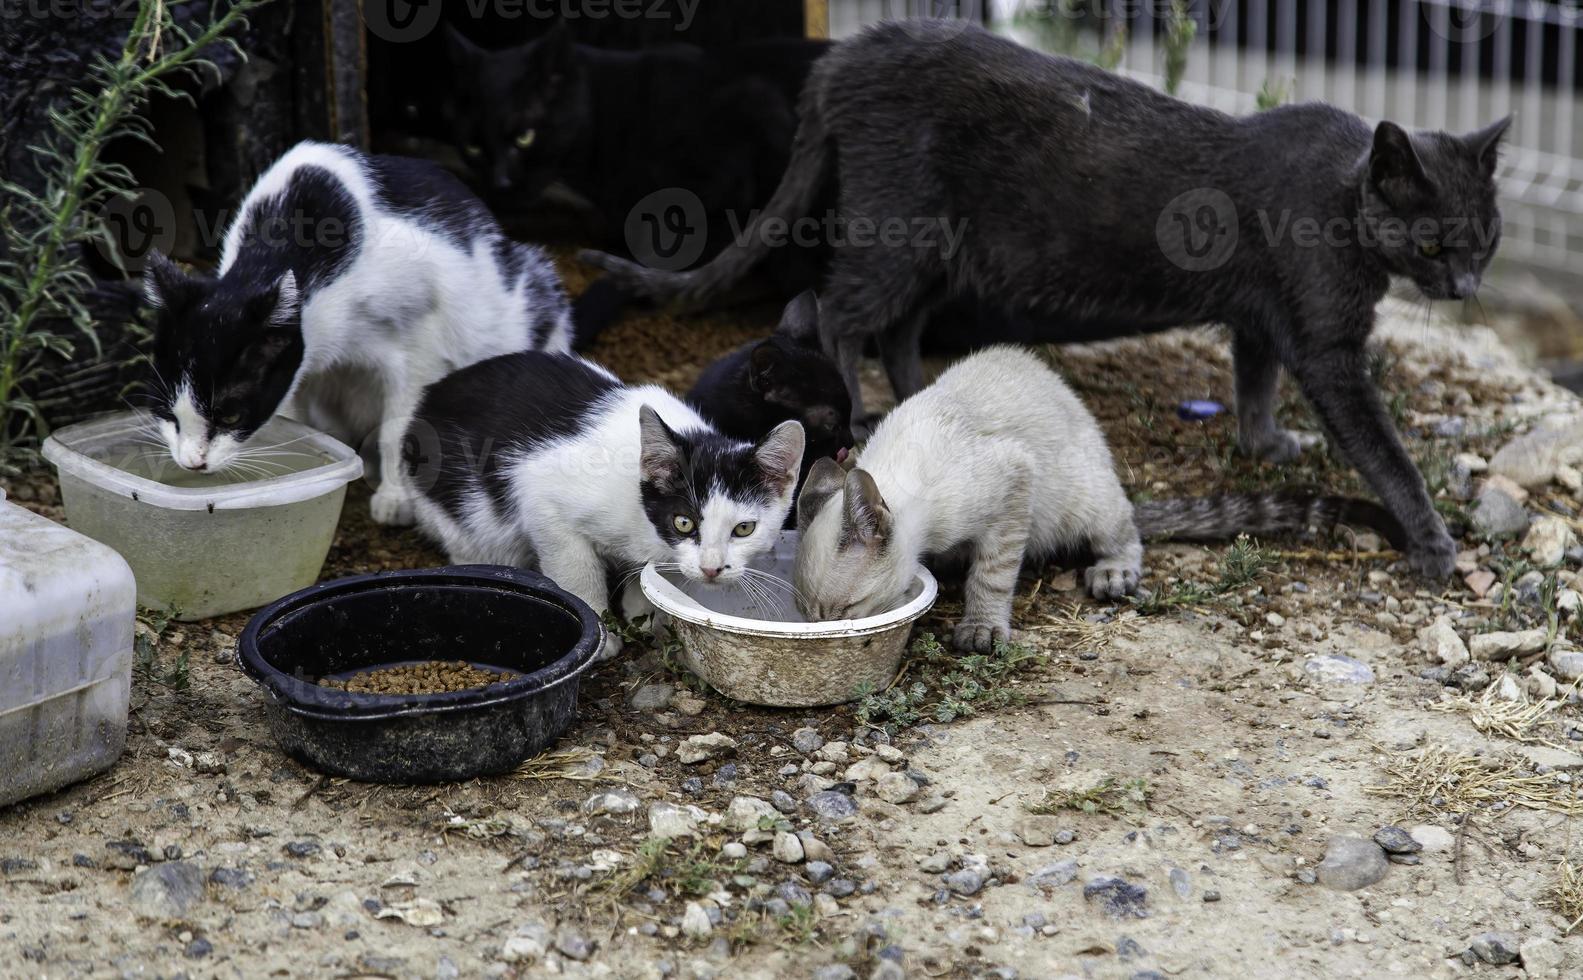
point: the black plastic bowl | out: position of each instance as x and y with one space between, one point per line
491 615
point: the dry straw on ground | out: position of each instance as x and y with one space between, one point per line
1440 781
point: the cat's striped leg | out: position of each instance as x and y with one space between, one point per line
992 577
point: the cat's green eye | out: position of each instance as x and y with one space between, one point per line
683 524
474 152
526 139
744 529
1429 249
230 419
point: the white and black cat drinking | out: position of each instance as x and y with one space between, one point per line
548 461
1072 181
347 283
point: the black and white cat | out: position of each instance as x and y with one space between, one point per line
782 378
999 458
547 460
347 283
1092 205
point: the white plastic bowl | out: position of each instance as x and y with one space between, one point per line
205 544
765 653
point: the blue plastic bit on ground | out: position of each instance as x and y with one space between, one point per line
1198 410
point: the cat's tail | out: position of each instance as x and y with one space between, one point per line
1224 516
805 177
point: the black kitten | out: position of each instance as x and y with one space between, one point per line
761 384
1097 206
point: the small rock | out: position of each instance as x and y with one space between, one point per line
818 872
832 752
652 697
895 787
1351 863
1337 669
1122 899
1036 830
734 851
573 945
167 891
1498 511
1470 678
1395 840
1403 858
302 848
932 804
1547 541
695 922
967 881
1054 875
832 806
1495 948
807 740
1479 581
747 812
814 848
935 863
787 849
1565 663
198 949
1441 642
783 801
688 705
841 887
1502 645
793 894
835 971
726 775
700 748
1531 459
670 820
616 802
865 770
1542 957
522 949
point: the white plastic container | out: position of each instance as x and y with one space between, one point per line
766 653
205 544
67 608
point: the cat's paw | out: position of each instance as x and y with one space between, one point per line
1434 557
1279 446
979 637
1111 579
612 647
391 507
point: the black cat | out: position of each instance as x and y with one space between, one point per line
1094 204
761 384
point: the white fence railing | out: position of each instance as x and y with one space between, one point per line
1429 64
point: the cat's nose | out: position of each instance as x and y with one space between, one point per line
710 573
1465 285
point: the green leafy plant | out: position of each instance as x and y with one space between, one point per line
1274 92
1241 565
42 277
147 665
1111 795
1180 30
947 687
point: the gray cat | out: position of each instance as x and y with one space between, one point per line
1100 207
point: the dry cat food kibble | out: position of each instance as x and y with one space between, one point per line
429 677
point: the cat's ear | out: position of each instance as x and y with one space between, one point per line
164 285
779 455
558 50
459 48
763 361
867 517
800 319
280 306
659 456
1486 144
824 481
1394 167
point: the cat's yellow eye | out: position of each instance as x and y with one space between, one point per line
1429 249
683 524
526 139
744 529
474 152
231 419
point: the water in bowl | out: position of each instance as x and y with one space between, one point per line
141 457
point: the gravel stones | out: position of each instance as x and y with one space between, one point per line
787 849
1395 840
895 787
652 697
1120 898
832 806
1351 863
1442 643
1495 948
807 740
616 802
967 881
670 820
747 812
1547 541
1503 645
695 922
1335 669
1499 511
167 891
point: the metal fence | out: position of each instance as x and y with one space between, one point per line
1429 64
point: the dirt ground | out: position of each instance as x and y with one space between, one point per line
1196 753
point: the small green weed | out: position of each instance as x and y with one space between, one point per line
146 662
1242 564
1110 796
948 687
690 873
